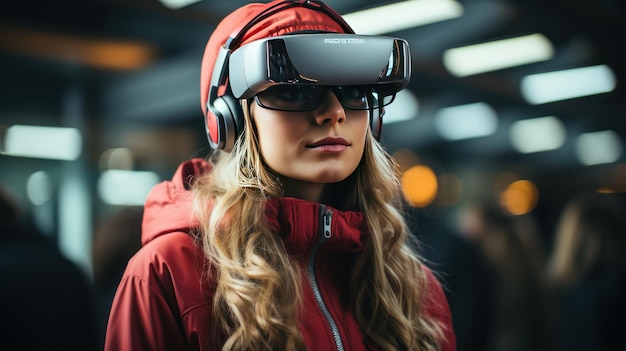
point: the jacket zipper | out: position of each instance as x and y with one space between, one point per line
326 216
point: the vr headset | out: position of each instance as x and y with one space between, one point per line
325 59
380 63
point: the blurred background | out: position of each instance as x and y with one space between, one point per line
515 109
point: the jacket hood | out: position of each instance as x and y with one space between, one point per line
168 209
168 205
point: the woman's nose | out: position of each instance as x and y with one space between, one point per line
330 110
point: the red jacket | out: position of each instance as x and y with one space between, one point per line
161 303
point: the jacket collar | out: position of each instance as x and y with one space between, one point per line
298 223
168 209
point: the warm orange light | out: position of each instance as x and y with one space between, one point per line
520 197
606 190
419 184
101 53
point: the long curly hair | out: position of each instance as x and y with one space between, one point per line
257 299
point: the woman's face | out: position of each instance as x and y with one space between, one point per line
312 147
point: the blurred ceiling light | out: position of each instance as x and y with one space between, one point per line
537 134
598 147
118 158
101 53
177 4
567 84
402 15
39 188
403 108
499 54
126 188
42 142
466 121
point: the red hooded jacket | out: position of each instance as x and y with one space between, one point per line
163 301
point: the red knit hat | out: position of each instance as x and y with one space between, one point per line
288 20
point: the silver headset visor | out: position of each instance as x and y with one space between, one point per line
320 59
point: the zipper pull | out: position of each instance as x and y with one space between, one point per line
327 217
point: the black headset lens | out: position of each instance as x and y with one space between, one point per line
288 97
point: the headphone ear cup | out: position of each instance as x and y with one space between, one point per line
224 122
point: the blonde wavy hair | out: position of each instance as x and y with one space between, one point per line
257 298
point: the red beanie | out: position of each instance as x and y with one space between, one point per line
289 20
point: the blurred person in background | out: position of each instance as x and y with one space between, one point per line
291 235
116 239
512 249
587 274
46 300
465 275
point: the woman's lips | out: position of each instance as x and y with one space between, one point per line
330 141
331 144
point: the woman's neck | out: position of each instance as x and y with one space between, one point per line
334 194
303 190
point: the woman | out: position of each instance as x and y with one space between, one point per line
291 236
